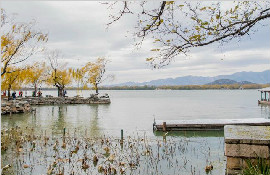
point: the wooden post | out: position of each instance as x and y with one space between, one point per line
164 128
154 124
64 136
122 136
261 96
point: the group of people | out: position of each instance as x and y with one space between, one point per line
13 94
34 93
37 94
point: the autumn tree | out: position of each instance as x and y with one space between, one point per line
79 76
13 80
58 75
96 72
36 74
176 26
19 41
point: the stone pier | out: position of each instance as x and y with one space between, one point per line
14 107
65 100
244 143
23 104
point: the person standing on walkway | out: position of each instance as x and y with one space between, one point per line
39 93
20 93
14 95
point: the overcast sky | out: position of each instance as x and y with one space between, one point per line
78 30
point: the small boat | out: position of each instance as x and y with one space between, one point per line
265 99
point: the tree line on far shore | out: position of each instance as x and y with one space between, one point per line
187 87
174 87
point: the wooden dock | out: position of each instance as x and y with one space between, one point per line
264 102
205 124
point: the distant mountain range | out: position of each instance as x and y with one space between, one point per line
228 81
239 77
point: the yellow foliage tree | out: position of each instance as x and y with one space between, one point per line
204 24
60 79
35 74
79 77
14 79
96 72
58 75
19 41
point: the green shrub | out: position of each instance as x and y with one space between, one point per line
261 167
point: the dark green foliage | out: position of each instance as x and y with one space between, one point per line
260 168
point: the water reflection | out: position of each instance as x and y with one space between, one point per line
78 120
94 122
11 121
60 123
265 110
83 120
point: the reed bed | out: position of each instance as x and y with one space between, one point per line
32 151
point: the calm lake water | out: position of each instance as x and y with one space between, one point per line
134 112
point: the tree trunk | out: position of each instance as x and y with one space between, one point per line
35 89
96 88
60 91
9 93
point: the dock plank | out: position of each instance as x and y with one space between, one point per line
207 124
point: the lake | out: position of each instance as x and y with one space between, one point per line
134 111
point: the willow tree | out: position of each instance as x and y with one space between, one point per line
19 41
36 74
176 27
79 76
96 72
58 75
14 79
60 78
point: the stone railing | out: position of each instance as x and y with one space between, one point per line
244 143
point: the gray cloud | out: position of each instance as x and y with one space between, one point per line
78 29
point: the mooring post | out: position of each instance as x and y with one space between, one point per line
64 135
164 127
64 131
122 136
154 124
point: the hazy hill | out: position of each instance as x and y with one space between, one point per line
254 77
228 81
